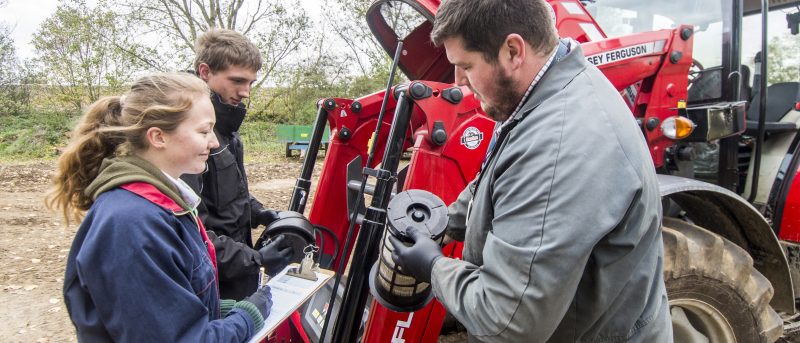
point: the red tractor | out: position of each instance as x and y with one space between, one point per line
724 142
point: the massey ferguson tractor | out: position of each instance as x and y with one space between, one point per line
723 140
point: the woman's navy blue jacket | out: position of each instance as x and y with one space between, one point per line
140 272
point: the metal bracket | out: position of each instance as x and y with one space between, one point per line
307 265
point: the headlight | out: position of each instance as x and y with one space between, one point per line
676 128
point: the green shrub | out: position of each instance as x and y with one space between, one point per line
34 135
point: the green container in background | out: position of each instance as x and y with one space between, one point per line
297 137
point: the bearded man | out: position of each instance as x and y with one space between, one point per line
561 227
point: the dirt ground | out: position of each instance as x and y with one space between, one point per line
34 244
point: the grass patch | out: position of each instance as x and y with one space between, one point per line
31 136
261 142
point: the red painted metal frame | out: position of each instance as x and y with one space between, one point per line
659 82
420 60
445 171
329 208
790 223
570 24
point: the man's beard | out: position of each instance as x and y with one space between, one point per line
507 98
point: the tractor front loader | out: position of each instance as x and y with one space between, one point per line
727 154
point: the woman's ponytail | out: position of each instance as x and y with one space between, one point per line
93 139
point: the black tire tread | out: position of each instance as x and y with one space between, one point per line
690 250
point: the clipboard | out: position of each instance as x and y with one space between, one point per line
288 294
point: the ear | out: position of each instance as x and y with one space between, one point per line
156 138
203 70
514 50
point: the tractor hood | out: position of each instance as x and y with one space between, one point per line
410 21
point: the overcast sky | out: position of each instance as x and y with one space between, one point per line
25 16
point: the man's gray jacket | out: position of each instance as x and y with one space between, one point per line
563 241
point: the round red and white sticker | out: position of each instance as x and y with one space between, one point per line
471 138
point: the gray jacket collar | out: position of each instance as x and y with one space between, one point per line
555 79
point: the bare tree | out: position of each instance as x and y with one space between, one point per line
275 28
8 57
84 51
361 46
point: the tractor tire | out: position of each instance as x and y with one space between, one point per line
715 293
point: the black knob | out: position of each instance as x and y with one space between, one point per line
675 57
344 133
686 33
420 91
355 107
453 95
328 104
652 123
439 135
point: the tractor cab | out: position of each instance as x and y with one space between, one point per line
626 17
760 160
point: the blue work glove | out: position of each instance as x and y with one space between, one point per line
418 259
275 256
262 299
264 217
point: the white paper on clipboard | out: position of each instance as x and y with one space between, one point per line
288 293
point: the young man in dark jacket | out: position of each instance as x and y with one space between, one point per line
228 62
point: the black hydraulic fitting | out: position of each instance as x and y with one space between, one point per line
399 89
675 57
328 104
355 107
453 95
686 33
652 123
344 133
419 91
439 135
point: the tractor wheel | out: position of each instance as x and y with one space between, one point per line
715 293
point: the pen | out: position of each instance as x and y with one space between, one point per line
263 277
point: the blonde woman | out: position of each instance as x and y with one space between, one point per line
141 267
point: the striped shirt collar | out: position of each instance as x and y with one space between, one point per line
535 81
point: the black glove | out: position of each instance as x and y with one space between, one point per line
262 299
416 260
264 217
275 255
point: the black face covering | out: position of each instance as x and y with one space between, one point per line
229 117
